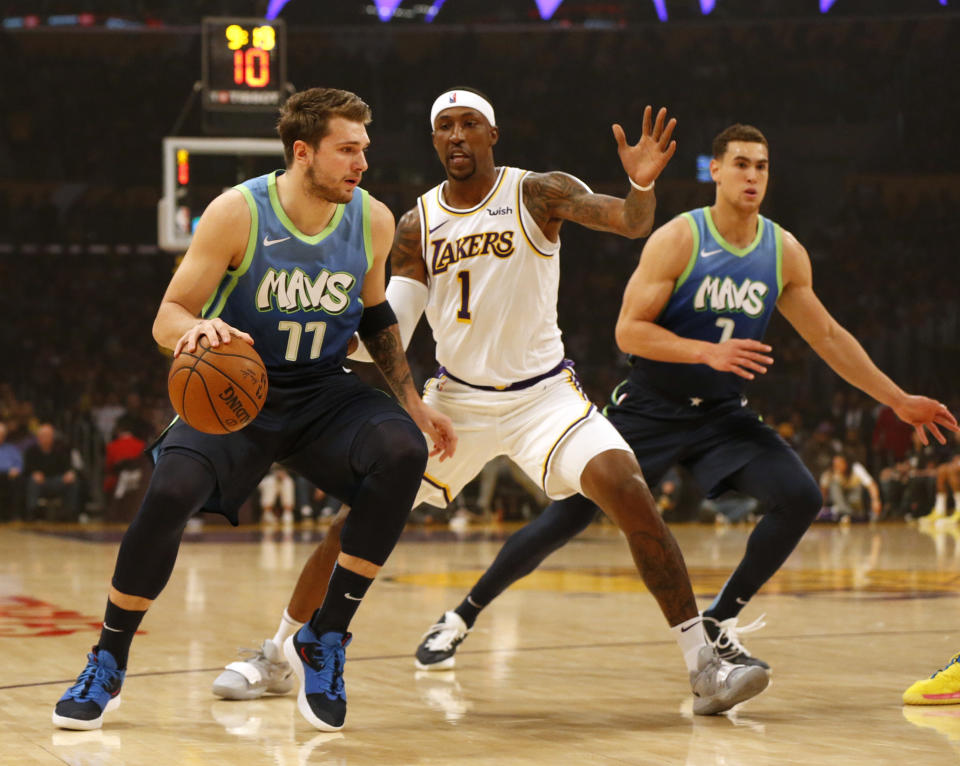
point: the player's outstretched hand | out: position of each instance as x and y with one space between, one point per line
921 412
646 159
438 427
216 332
741 356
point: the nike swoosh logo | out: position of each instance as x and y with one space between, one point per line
707 254
352 598
684 630
437 226
268 242
740 601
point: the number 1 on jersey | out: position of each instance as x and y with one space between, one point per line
463 315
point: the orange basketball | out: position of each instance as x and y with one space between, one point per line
218 390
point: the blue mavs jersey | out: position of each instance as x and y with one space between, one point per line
297 295
724 292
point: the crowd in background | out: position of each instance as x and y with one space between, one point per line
863 165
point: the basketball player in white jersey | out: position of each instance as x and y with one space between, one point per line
480 253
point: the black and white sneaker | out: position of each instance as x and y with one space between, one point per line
725 637
440 643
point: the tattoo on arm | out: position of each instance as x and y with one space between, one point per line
560 196
386 350
638 210
405 256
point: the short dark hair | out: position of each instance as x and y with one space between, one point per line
305 115
737 132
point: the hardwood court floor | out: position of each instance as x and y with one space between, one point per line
573 666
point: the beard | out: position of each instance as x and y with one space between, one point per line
316 186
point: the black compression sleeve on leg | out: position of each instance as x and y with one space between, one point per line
390 457
526 548
792 499
179 487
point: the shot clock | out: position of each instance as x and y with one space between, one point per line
244 64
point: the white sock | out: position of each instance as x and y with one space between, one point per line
691 638
940 505
288 626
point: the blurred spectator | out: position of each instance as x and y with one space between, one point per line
729 508
891 437
313 502
11 468
134 420
909 486
678 496
503 471
50 475
22 424
106 414
123 464
276 486
843 485
948 478
854 447
817 454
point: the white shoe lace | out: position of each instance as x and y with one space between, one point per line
730 633
445 636
256 660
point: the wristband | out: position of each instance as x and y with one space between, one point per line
376 318
638 187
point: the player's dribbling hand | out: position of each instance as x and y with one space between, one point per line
741 356
645 160
438 427
921 412
216 331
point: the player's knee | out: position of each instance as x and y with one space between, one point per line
166 504
804 497
613 477
402 448
177 490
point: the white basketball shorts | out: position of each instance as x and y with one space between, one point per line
551 430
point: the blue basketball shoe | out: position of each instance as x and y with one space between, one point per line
318 663
96 691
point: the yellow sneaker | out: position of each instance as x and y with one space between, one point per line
933 517
942 688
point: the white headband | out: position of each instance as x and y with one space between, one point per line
465 98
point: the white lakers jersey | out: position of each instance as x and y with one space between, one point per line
493 279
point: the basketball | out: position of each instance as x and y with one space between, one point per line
218 390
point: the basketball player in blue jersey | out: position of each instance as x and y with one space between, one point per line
480 255
293 263
693 317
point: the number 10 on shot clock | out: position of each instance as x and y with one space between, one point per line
244 64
